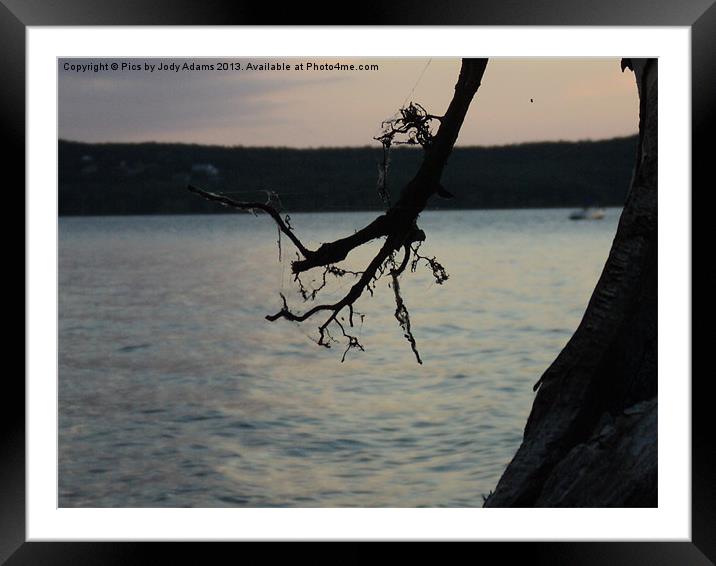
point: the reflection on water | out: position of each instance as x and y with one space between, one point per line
174 390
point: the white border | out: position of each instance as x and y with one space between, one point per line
671 521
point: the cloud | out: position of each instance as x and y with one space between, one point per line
138 106
573 99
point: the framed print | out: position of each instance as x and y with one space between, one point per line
449 316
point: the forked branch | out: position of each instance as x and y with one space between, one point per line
250 207
398 225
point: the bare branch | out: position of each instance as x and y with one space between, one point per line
338 250
351 297
413 122
251 206
330 269
398 225
402 316
439 272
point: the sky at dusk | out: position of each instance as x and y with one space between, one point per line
520 100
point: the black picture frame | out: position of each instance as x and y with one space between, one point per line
16 15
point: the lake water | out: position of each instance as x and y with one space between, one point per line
175 391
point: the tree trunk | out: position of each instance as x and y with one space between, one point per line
590 440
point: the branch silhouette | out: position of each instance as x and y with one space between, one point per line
398 225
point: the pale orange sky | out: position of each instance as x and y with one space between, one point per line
574 99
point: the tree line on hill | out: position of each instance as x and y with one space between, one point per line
151 178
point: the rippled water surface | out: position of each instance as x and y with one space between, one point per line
175 391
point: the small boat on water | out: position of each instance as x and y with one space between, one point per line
587 213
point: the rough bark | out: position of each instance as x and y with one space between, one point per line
607 372
614 468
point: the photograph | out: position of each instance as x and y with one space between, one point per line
341 282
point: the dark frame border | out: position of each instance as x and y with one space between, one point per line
700 15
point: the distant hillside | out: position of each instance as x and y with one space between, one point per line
151 178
